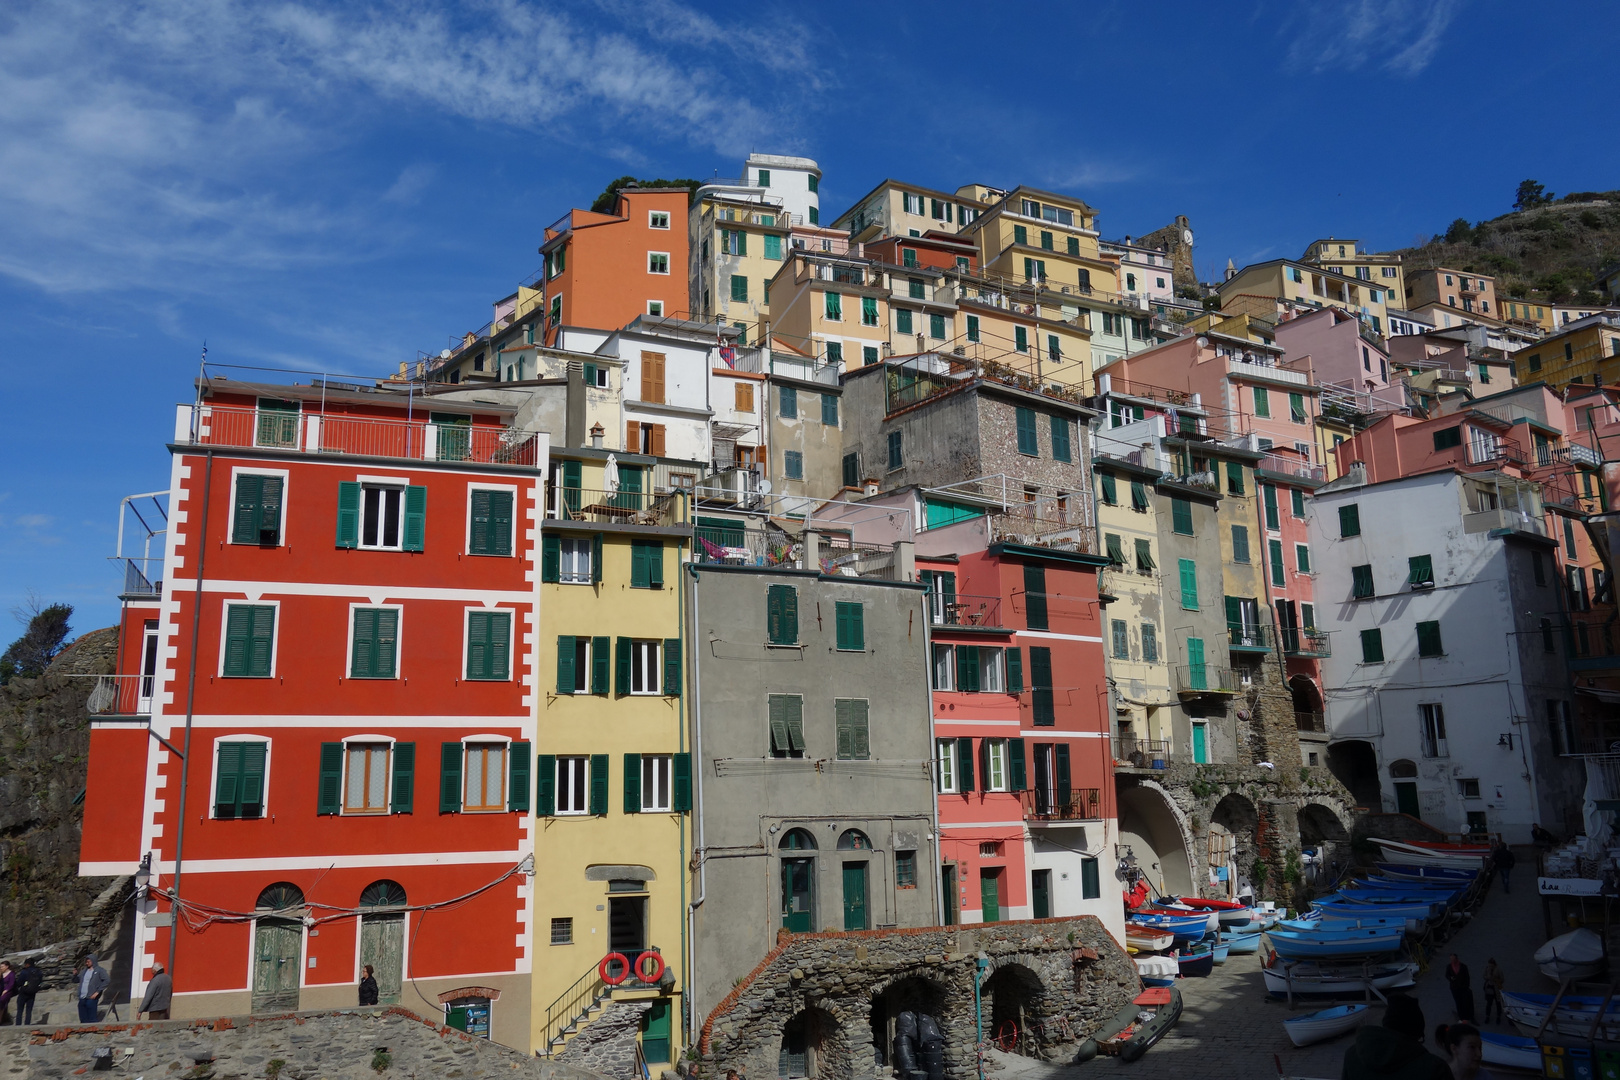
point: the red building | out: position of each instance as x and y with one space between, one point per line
1024 766
318 748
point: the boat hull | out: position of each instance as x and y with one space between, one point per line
1324 979
1412 854
1327 1024
1575 1015
1329 946
1242 943
1511 1051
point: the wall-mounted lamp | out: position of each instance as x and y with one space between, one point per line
143 876
1505 740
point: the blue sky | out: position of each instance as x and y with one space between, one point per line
336 187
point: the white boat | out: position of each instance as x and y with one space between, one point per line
1395 851
1575 955
1576 1015
1511 1051
1316 1026
1309 978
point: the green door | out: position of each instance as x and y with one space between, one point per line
655 1033
276 948
855 896
947 888
456 1017
797 875
1406 800
382 945
1041 892
1200 745
454 436
990 895
1197 673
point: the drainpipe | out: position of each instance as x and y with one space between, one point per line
979 966
697 806
680 608
191 698
933 760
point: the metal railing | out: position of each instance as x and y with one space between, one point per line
964 609
120 695
1249 636
316 434
1309 643
625 507
746 547
1081 804
1310 721
138 579
1142 753
838 555
1205 679
571 1006
1292 466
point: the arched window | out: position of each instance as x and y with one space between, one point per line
854 840
798 840
1402 769
282 896
383 893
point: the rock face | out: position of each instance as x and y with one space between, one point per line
608 1044
352 1044
44 747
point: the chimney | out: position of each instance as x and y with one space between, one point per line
401 369
596 436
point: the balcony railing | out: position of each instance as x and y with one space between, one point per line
1309 643
120 695
1204 679
1252 637
1292 466
142 577
315 434
1142 753
746 547
962 609
1310 721
1081 804
840 556
625 507
1503 518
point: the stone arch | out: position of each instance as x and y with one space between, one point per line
1354 763
1321 831
906 993
1152 829
1236 814
1015 1009
814 1044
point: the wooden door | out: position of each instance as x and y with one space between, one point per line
655 1033
1200 744
382 945
1406 799
855 896
797 909
990 895
277 945
1041 892
947 888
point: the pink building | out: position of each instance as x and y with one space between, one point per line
1344 357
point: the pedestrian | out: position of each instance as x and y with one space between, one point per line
1394 1049
368 986
1503 857
158 992
1494 982
92 982
28 984
8 990
1464 1048
1462 991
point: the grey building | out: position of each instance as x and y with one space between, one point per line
814 799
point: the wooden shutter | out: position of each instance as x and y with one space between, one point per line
655 443
1060 427
1040 680
794 714
517 779
1240 543
387 642
1234 612
500 519
632 436
842 726
1015 765
252 789
500 644
863 731
1028 441
449 778
404 777
1035 597
652 377
270 512
964 765
363 661
601 662
782 614
681 788
596 559
632 783
1060 766
1350 520
1428 635
1110 492
551 559
478 665
672 667
329 792
348 514
1139 499
1181 516
572 479
261 639
566 677
238 624
415 533
1234 479
984 763
545 795
480 542
621 666
1270 493
778 723
599 784
1189 584
228 780
249 504
1279 572
1015 670
967 668
655 563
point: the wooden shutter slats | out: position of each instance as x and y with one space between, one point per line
632 783
450 777
348 514
404 769
414 536
329 792
517 784
599 784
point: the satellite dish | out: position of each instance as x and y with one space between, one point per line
445 355
764 487
1203 342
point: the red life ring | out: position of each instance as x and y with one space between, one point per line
624 968
657 967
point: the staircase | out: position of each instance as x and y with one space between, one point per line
574 1008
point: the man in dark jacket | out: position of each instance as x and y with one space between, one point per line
1394 1050
158 994
1503 856
29 980
92 983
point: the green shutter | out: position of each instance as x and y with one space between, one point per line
1028 441
964 765
793 712
1144 555
329 794
1270 492
1262 401
566 678
1199 674
545 789
228 780
1015 670
778 722
845 740
551 559
672 667
362 659
1139 499
1420 570
1064 782
967 668
1234 612
655 563
851 628
1110 493
491 522
1181 519
1040 680
601 663
596 559
449 777
782 613
621 666
480 542
251 791
861 729
572 479
1361 582
517 779
1234 477
249 509
1189 584
1279 573
599 784
681 789
348 514
415 533
1350 520
1428 635
1298 497
1114 548
387 642
1035 597
261 640
632 783
1372 646
1015 765
238 626
1240 543
478 664
404 777
1060 437
640 577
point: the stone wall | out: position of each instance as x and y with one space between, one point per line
608 1043
1059 979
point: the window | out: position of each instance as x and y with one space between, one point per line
1350 520
484 777
1121 639
916 288
869 311
277 423
896 459
1020 234
1020 339
945 761
1428 635
1547 641
574 560
490 532
829 409
869 354
1035 597
1539 563
1060 439
1468 788
1262 402
256 510
850 617
787 725
936 327
646 564
1189 584
382 510
250 637
1298 497
1040 686
239 768
913 203
1372 646
1240 543
1420 571
1302 558
793 465
1028 442
852 470
849 718
1433 717
743 398
902 321
1090 880
1144 555
562 930
645 672
1139 499
773 250
655 794
1046 240
973 328
1110 491
582 665
1279 572
1361 581
365 778
733 242
739 287
944 667
834 307
1150 643
782 614
1563 728
1114 547
373 642
657 219
1234 478
835 352
1296 408
489 645
1446 438
908 257
995 765
573 785
787 403
657 262
991 680
1268 493
1181 519
905 869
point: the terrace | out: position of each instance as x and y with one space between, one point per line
298 431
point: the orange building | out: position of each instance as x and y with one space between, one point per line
602 270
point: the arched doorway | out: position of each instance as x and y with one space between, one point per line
798 850
1013 1010
855 875
278 940
1324 843
916 994
382 937
1150 832
1355 764
1403 774
813 1045
1237 816
1308 708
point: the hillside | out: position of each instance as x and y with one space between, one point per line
1549 253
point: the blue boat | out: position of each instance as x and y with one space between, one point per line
1327 1024
1429 909
1336 923
1417 890
1297 946
1457 874
1196 962
1416 917
1184 927
1221 949
1241 943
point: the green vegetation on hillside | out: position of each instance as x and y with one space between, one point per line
609 198
1549 250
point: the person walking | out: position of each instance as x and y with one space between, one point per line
1493 982
8 990
92 983
158 993
29 980
1503 857
368 986
1393 1050
1462 990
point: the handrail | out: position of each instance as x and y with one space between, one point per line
569 1001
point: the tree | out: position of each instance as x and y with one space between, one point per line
609 198
45 636
1459 232
1531 195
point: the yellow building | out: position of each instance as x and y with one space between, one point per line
893 208
738 241
833 308
1346 257
1584 349
613 769
1263 289
1528 313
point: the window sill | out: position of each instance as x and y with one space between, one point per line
1432 656
783 645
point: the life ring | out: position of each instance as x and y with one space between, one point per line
657 971
624 968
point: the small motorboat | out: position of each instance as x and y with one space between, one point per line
1511 1051
1141 1024
1157 970
1148 938
1327 1024
1294 945
1196 962
1575 955
1242 943
1311 978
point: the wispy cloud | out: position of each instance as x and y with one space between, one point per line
1398 36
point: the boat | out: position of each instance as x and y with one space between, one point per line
1511 1051
1160 1018
1377 898
1241 943
1183 927
1396 851
1575 955
1222 949
1229 912
1148 938
1196 962
1327 1024
1308 925
1474 848
1157 970
1291 945
1576 1015
1449 891
1416 917
1418 872
1309 978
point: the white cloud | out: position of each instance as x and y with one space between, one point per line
1395 35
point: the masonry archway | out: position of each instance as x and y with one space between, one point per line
914 994
1014 1010
1321 831
813 1045
1355 764
1151 830
1237 815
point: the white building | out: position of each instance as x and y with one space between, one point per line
1447 692
666 399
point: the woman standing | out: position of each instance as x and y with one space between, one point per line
1462 991
368 986
1493 984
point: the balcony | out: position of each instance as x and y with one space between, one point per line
746 547
1503 518
1313 722
1249 638
315 434
1196 679
1305 643
1081 804
837 555
624 507
120 697
1292 466
1141 753
963 609
1266 372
